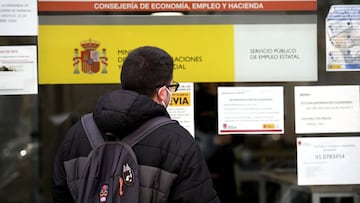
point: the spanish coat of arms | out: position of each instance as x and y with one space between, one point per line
90 58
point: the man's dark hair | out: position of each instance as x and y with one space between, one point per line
145 69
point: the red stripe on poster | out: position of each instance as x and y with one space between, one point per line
310 5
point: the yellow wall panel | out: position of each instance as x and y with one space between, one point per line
202 53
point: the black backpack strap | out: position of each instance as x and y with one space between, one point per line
145 129
95 137
91 130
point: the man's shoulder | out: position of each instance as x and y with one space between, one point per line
175 131
171 137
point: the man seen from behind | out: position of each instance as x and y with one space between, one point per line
170 151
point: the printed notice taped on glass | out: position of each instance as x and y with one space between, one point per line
181 107
18 70
328 160
251 110
18 18
327 109
343 38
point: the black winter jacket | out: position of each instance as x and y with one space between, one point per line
170 154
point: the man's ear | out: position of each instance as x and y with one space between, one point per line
161 95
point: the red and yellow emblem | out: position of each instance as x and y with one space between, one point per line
90 58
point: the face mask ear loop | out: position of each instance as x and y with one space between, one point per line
162 102
169 95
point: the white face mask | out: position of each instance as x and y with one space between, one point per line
166 104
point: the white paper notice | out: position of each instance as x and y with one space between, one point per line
328 160
18 18
18 70
275 52
251 110
327 109
181 107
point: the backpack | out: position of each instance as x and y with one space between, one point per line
110 172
